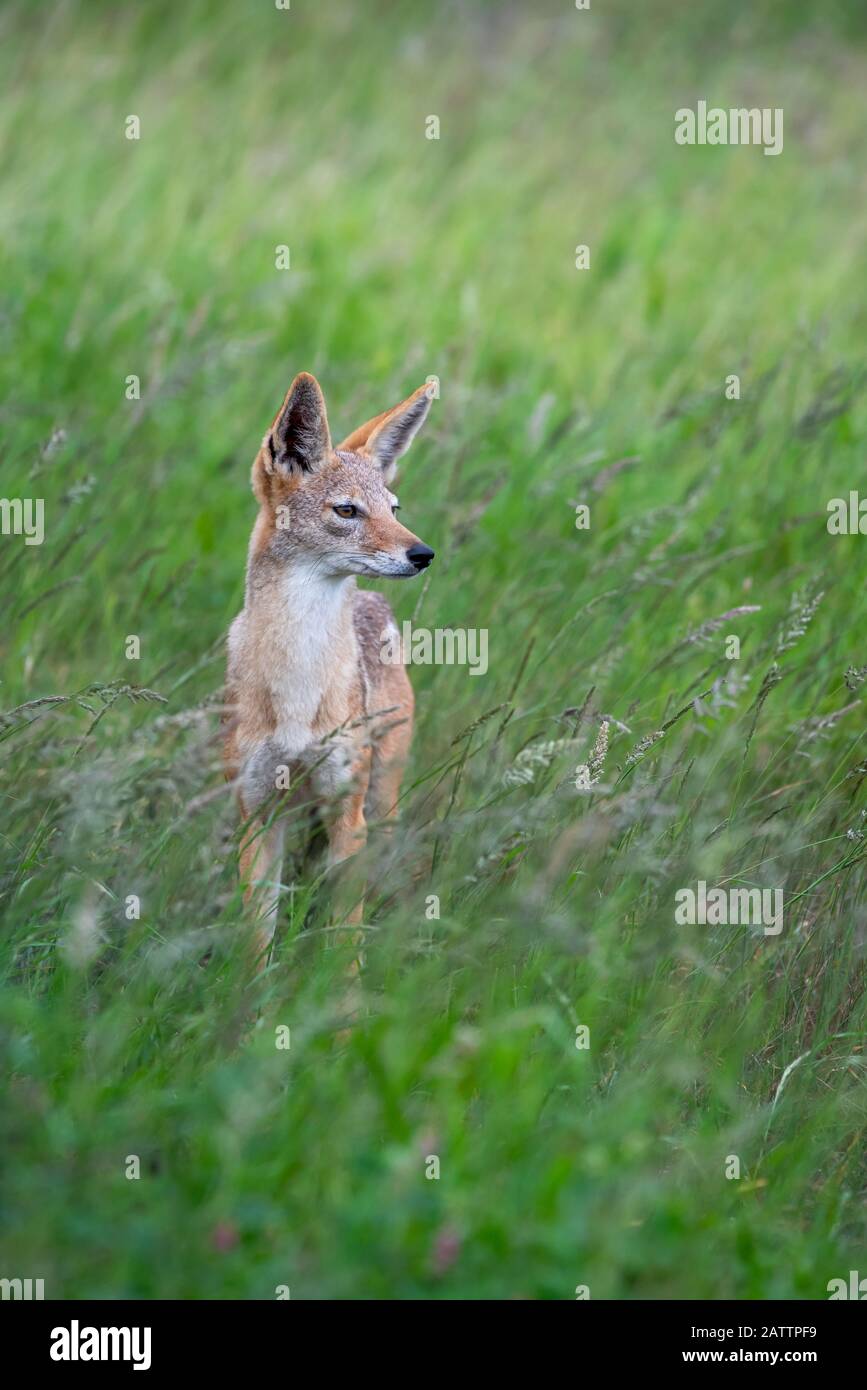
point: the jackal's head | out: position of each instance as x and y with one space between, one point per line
333 507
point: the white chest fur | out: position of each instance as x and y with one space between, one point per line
296 642
315 657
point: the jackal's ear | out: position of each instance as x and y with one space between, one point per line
387 436
299 437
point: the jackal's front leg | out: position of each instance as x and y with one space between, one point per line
261 864
347 834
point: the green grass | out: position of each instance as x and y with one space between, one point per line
559 1166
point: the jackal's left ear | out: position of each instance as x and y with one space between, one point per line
387 436
299 437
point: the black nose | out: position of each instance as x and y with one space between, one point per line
420 555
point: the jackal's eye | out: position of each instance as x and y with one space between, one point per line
346 510
395 509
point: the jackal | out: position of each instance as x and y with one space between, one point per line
309 701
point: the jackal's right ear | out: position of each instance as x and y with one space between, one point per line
299 439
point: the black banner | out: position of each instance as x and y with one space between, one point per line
67 1338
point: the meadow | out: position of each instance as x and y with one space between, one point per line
550 1077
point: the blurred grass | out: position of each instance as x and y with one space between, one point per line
410 257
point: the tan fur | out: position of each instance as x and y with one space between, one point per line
306 689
